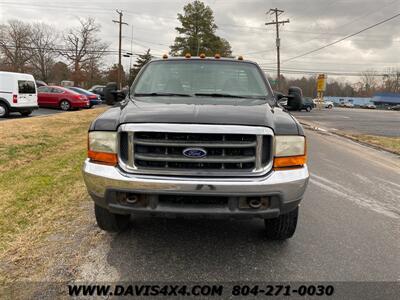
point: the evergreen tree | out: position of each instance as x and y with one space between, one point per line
140 62
197 33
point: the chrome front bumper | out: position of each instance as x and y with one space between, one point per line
287 186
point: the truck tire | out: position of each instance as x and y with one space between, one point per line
283 227
109 221
308 108
4 112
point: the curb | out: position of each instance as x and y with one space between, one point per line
314 127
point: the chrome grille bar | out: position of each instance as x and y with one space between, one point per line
209 159
232 150
195 143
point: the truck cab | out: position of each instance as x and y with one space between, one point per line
198 137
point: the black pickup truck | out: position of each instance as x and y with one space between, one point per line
199 137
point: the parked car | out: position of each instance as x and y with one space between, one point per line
328 104
395 107
99 90
110 93
63 98
369 106
92 97
346 104
308 104
18 93
224 158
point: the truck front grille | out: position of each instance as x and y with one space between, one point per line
163 152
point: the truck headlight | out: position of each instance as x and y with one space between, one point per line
102 147
290 151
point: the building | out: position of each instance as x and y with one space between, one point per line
386 99
356 101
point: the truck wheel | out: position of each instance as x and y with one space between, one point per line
283 227
65 105
3 110
330 106
308 108
26 113
109 221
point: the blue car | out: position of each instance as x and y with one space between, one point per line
93 98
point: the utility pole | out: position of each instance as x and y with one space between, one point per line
277 13
119 83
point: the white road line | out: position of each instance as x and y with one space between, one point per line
344 193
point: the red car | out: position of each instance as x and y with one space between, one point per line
57 96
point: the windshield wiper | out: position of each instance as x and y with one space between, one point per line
161 95
218 95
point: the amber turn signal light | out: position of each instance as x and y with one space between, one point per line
290 161
103 157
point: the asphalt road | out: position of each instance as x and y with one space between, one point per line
348 231
35 113
38 112
353 120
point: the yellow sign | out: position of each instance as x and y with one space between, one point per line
321 83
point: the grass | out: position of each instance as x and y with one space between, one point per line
388 143
40 175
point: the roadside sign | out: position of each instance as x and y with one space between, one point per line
321 82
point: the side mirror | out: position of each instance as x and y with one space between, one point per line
295 98
118 95
279 96
121 95
281 99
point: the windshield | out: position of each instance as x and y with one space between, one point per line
201 78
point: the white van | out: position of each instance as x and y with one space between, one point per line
18 93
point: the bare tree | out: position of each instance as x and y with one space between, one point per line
82 46
15 45
43 41
369 79
391 81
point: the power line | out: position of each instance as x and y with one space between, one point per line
320 34
221 25
61 49
313 72
344 38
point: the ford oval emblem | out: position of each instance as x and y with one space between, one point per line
194 152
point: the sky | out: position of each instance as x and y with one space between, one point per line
313 24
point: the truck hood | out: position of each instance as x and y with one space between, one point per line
204 110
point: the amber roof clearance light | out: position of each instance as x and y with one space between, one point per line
202 55
165 56
240 57
188 55
217 56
